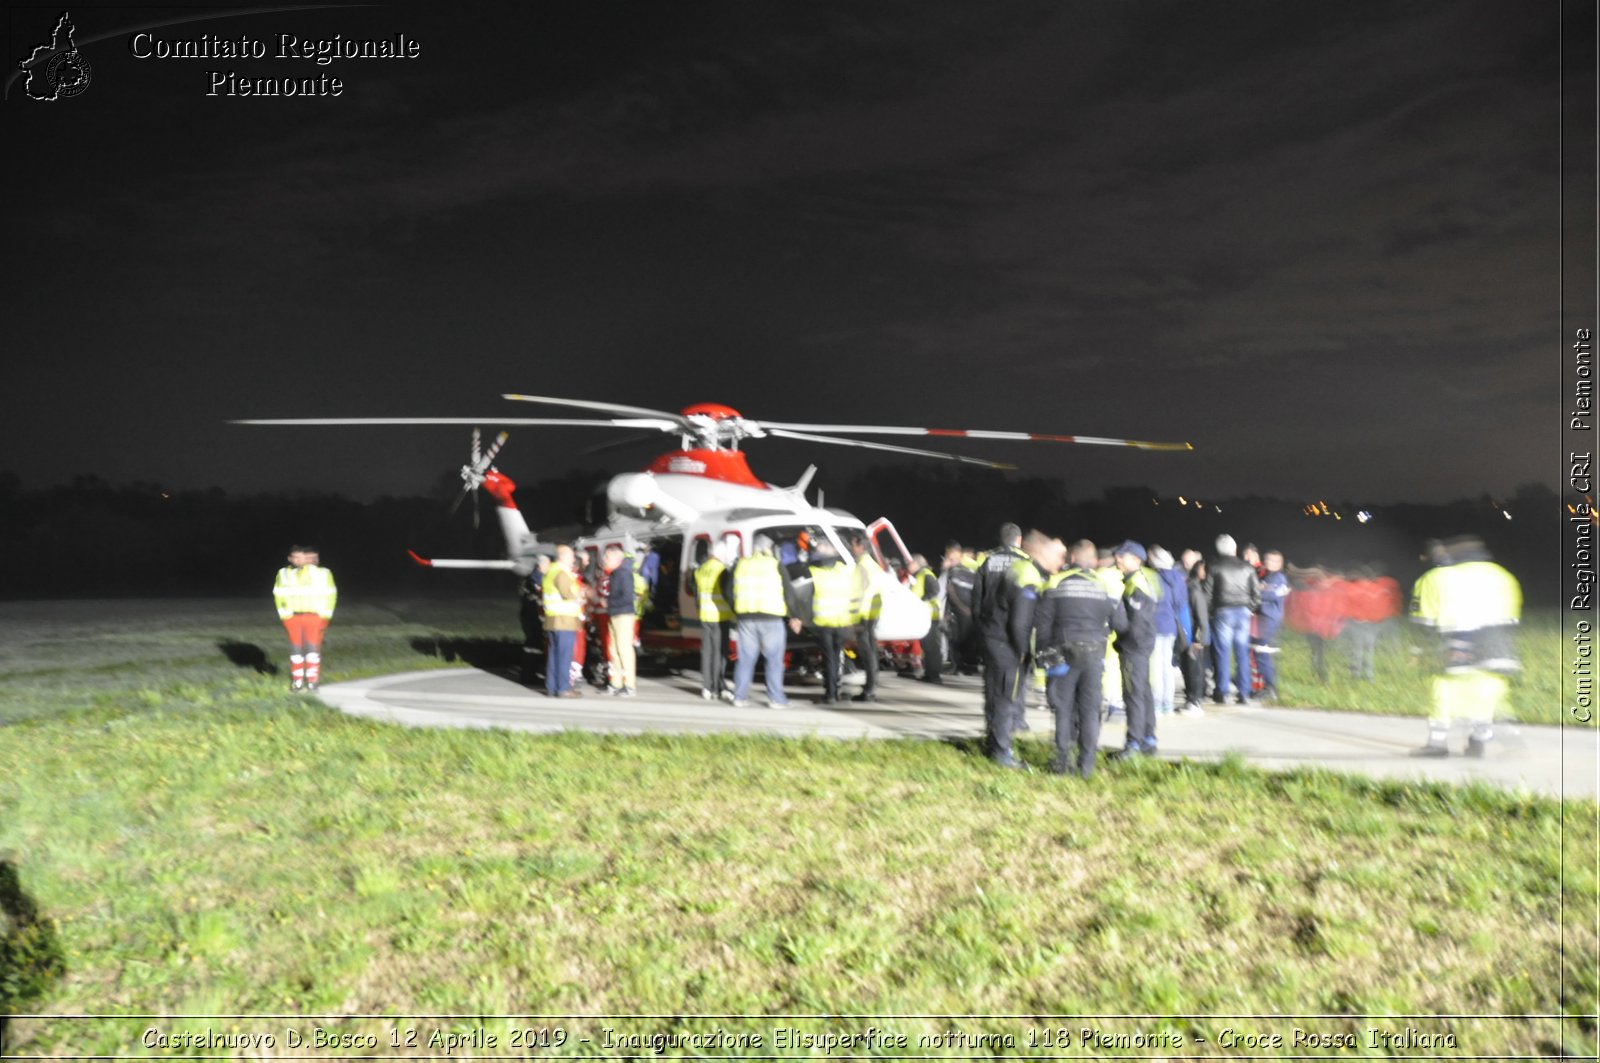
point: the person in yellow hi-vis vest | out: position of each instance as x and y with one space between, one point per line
762 601
866 601
929 663
1474 606
716 616
832 612
305 595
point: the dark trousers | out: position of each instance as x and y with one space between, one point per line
1002 695
933 653
1136 696
1363 638
1075 701
831 639
533 641
966 649
1193 663
713 655
1319 663
867 650
1264 645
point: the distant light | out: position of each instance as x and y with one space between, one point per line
165 495
1363 516
1337 517
1217 508
1182 501
1506 515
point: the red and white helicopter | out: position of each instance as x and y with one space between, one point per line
689 500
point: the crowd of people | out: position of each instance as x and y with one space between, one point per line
1094 631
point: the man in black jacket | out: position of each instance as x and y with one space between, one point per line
993 594
1234 594
1072 619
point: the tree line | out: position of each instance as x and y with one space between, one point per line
94 538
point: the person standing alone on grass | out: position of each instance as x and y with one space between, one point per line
1473 606
305 595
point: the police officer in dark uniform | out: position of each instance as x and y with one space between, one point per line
959 576
1074 616
1003 599
1141 591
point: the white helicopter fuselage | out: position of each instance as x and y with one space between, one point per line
681 513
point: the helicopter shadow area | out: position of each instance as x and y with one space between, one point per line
247 655
501 657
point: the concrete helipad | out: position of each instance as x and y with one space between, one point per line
1558 761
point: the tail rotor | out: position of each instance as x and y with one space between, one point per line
472 473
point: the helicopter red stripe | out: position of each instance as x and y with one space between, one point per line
729 466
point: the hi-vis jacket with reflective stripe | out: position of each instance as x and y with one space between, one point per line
555 605
925 585
867 594
307 589
758 587
1077 607
1141 589
1468 596
831 595
709 595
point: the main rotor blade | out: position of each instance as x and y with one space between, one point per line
476 441
608 407
487 461
635 422
807 437
964 433
618 444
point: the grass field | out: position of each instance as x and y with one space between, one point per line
180 835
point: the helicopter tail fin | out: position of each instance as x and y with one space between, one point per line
519 540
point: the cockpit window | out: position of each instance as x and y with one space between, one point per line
795 543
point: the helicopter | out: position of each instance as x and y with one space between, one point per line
703 497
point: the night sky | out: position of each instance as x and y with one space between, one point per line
1318 241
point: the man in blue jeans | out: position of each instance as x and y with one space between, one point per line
762 600
1234 594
